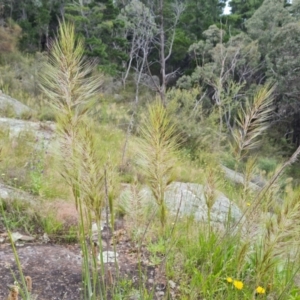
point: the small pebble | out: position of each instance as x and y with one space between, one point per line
172 284
160 294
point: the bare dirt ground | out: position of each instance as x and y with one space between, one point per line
55 269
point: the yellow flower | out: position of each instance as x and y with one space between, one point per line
229 279
238 284
248 203
260 290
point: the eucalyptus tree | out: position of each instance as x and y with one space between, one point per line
224 69
275 26
218 62
140 30
283 65
265 22
167 15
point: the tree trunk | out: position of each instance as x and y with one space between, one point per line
162 91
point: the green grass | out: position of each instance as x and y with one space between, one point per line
18 215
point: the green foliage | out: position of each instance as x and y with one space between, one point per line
9 35
8 111
97 21
24 165
19 78
199 15
207 260
192 119
36 21
241 11
20 215
265 22
267 164
282 58
36 167
219 63
295 9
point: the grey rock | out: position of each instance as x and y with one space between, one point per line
118 97
42 132
187 199
108 257
15 236
151 82
240 179
111 86
160 294
3 194
172 284
10 193
18 108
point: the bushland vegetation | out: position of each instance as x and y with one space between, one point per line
141 96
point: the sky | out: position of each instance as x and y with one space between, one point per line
227 8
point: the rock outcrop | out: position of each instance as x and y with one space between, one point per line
9 193
8 103
42 132
256 183
189 200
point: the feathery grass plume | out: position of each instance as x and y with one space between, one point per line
249 170
67 77
252 121
13 293
91 178
210 194
68 81
267 190
96 179
279 171
156 155
280 242
138 210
